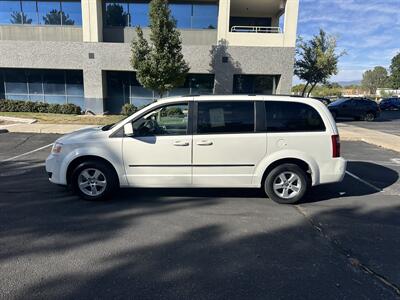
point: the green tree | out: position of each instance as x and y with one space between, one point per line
394 80
115 15
373 79
159 65
57 17
20 18
317 60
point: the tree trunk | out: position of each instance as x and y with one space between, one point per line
305 89
312 87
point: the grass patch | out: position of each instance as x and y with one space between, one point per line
65 119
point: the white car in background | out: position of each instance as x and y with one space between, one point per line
283 144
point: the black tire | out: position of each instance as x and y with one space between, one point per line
369 116
106 172
274 175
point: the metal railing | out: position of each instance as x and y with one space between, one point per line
256 29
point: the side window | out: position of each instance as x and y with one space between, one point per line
292 117
225 117
166 120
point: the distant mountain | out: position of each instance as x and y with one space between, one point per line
352 82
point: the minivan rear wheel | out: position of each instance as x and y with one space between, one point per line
286 184
93 180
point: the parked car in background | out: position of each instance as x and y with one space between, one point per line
281 144
355 108
325 101
389 103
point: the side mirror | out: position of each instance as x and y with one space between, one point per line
128 129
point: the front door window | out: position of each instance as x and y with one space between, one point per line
167 120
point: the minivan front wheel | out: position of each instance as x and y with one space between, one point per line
93 180
286 184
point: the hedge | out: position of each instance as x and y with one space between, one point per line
38 107
128 109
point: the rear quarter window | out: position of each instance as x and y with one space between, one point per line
292 117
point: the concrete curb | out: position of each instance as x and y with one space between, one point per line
18 120
374 137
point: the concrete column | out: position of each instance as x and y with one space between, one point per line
92 20
290 27
223 18
94 83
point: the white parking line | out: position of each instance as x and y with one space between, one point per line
26 153
365 182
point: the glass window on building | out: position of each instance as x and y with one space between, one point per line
186 14
49 12
182 14
117 13
139 14
255 84
2 93
16 86
29 12
123 87
10 12
35 85
42 12
51 86
71 13
205 16
74 87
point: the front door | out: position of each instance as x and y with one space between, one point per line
226 148
160 152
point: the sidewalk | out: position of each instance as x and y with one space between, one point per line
374 137
44 128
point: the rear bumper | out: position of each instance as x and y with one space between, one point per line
333 171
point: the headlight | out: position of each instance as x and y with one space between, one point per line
56 148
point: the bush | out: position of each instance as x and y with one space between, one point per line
70 109
39 107
54 109
128 109
42 107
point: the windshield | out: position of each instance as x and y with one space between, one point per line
338 102
111 126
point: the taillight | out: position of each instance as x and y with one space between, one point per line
335 146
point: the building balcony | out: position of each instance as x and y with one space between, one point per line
259 23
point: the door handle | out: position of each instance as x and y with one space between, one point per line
204 143
181 143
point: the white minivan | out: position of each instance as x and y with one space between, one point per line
280 143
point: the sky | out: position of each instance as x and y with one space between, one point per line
368 30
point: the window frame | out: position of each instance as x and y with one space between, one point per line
196 111
264 104
189 123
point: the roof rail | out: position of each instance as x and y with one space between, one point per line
283 95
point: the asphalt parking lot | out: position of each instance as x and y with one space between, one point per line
389 122
343 242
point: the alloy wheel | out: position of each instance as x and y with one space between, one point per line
287 185
92 182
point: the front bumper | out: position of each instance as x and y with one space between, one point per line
53 166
